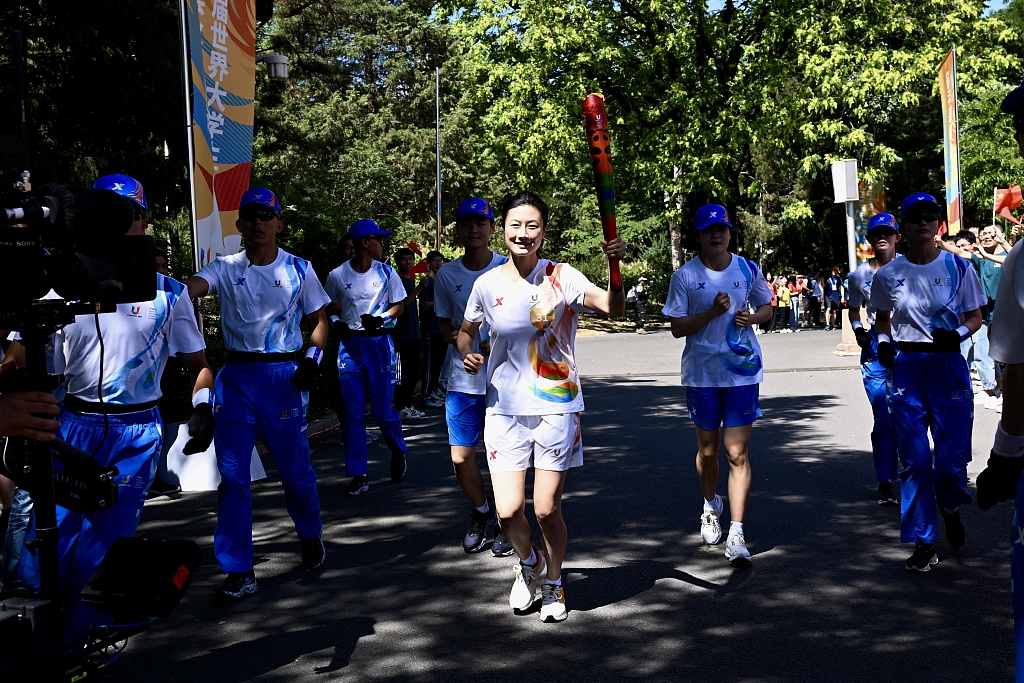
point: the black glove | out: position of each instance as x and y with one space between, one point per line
200 428
863 338
371 322
341 329
886 354
305 374
948 338
998 481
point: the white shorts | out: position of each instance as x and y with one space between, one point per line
516 443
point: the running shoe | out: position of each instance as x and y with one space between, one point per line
886 496
956 534
359 484
314 554
501 546
923 559
553 609
480 534
398 466
237 586
710 529
525 586
371 437
736 550
435 400
411 413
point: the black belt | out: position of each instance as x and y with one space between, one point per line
79 406
927 347
256 357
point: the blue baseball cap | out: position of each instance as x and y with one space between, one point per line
711 214
474 207
917 199
883 220
1014 101
261 196
125 186
365 228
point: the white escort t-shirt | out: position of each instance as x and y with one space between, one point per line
137 341
923 298
261 307
451 293
532 366
1006 331
860 290
718 355
372 292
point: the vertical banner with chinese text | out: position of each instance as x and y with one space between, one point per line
872 201
222 56
951 141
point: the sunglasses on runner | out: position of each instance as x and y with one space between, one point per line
881 232
253 213
925 217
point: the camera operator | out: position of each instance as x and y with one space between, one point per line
113 414
264 293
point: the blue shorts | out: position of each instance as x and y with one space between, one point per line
714 407
464 414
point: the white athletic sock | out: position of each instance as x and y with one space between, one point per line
948 511
554 582
735 528
483 508
715 504
531 560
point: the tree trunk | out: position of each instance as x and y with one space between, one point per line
675 232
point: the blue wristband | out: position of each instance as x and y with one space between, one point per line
385 319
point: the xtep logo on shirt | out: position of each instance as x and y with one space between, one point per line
497 302
898 391
458 288
239 281
493 455
700 285
348 285
900 281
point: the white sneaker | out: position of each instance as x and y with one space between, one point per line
525 586
994 403
411 413
553 609
736 550
710 529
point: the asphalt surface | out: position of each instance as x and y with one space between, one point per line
826 600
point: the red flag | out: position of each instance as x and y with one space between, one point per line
1005 213
412 245
1007 199
420 267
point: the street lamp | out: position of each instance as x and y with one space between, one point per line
277 65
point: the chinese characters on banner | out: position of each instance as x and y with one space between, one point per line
951 141
222 52
872 201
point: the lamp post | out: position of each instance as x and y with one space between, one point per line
845 188
277 65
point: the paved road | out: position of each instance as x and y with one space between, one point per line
826 600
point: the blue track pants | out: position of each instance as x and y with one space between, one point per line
883 440
258 399
133 445
367 367
931 391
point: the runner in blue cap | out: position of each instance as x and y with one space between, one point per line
467 394
925 305
367 297
883 235
114 414
263 389
708 302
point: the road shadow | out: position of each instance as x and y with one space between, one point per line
826 600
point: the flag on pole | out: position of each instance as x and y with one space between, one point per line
951 141
222 70
872 201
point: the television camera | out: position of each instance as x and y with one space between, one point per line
63 253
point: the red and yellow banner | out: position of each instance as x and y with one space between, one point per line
222 56
951 141
872 201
